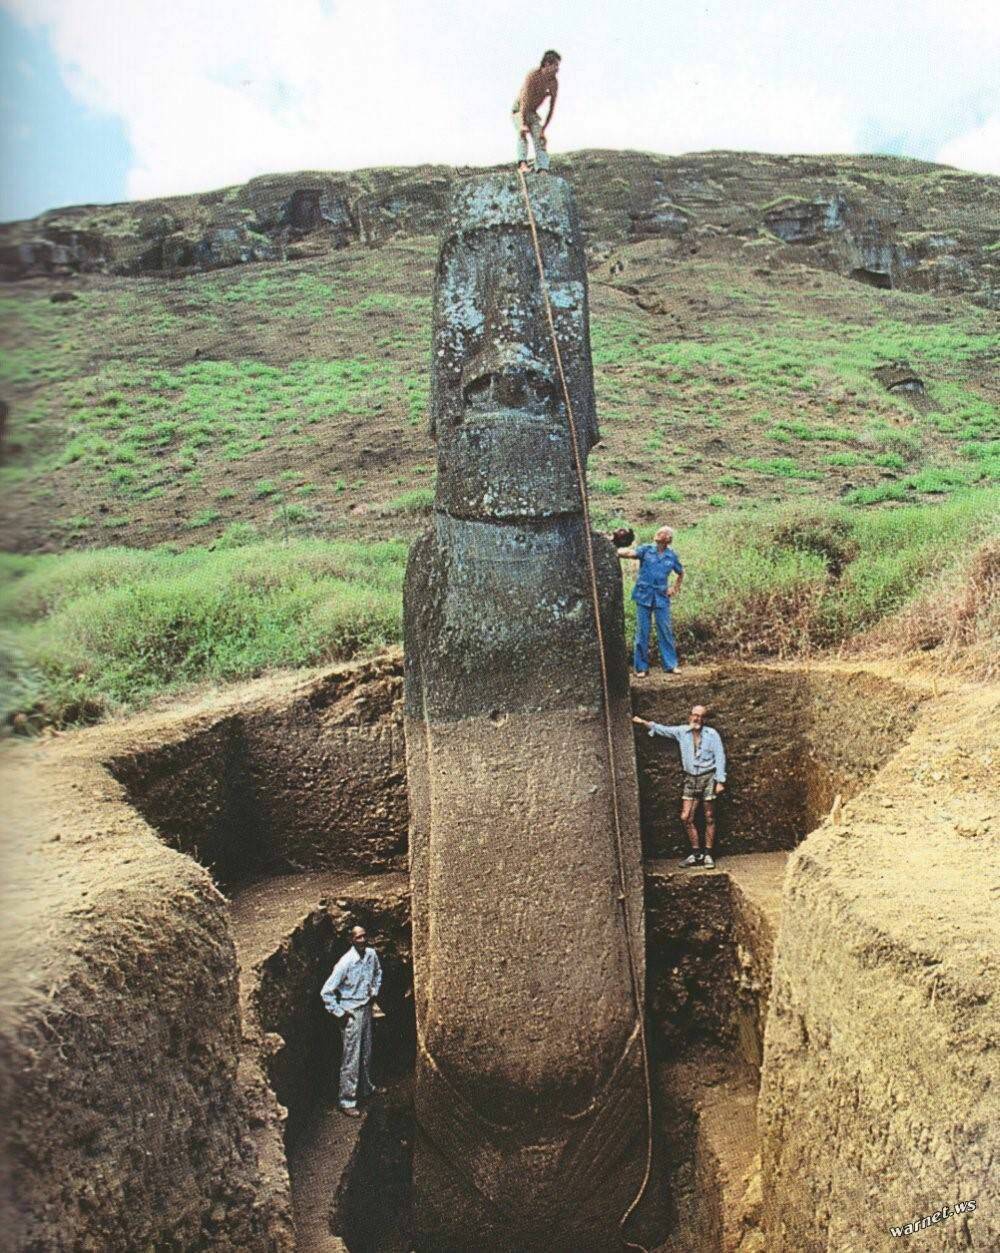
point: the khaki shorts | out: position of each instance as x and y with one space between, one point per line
699 786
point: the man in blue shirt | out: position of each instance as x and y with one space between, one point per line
652 596
703 760
348 995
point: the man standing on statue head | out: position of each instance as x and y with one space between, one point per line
540 84
348 994
652 593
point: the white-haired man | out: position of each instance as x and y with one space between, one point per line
652 593
703 760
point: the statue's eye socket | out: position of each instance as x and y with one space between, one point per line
509 390
478 391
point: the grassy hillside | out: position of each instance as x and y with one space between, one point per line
293 395
210 428
106 630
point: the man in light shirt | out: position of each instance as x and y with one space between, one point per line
703 760
541 84
348 995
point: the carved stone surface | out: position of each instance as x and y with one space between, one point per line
529 1088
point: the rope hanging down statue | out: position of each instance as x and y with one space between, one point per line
531 1099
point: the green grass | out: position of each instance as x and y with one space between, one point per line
931 481
204 517
780 579
807 361
416 501
89 632
293 514
668 493
210 411
107 629
789 429
104 411
778 467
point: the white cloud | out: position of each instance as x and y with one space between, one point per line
978 149
215 93
701 107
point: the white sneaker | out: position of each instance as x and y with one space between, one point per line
708 861
693 859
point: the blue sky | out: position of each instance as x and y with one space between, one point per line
107 100
54 150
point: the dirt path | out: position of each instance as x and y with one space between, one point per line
317 1165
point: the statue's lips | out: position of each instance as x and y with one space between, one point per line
488 420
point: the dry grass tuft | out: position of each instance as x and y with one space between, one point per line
960 623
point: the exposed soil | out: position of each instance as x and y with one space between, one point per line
257 786
877 1099
289 931
136 1122
710 936
252 785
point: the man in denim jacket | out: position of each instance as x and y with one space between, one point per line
652 593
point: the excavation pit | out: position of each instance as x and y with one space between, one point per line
212 1080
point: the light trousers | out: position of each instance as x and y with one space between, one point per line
355 1064
534 125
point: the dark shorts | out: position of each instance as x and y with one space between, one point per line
699 786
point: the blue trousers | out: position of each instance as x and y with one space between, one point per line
664 635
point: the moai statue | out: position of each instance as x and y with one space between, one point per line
530 1094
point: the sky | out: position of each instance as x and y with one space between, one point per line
109 100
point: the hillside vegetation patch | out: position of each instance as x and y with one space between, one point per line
109 629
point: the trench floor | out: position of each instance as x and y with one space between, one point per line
707 1100
262 914
316 1166
760 875
715 1095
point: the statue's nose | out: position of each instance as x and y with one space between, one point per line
507 375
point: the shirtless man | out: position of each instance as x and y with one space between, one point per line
540 85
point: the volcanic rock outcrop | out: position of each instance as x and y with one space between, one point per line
529 1087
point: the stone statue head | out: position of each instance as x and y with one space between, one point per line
497 406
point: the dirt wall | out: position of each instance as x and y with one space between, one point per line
691 974
794 739
878 1102
285 1005
135 1122
312 777
126 1123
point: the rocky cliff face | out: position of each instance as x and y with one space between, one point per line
886 221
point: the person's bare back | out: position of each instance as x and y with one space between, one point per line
539 84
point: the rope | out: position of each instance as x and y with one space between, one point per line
615 803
